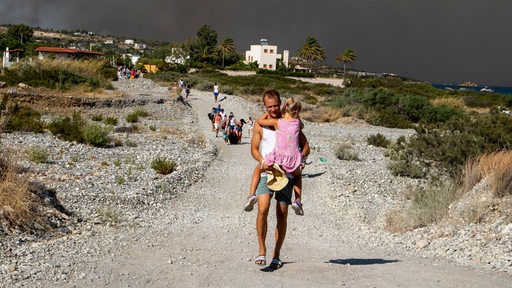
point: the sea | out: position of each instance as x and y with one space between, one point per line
495 89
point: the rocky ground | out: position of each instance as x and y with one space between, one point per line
127 226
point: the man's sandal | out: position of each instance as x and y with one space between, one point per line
261 260
276 264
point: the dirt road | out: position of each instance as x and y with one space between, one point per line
207 240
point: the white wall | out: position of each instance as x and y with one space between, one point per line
265 55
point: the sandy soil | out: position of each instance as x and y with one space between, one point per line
331 81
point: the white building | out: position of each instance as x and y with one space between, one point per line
139 46
266 55
178 56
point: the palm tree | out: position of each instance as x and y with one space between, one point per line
205 54
311 51
347 56
226 46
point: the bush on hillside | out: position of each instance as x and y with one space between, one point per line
445 147
427 205
24 119
68 128
378 140
97 135
60 74
163 166
345 151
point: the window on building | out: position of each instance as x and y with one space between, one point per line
265 50
270 66
264 65
271 51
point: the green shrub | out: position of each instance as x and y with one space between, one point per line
327 90
387 118
141 113
127 129
406 168
120 180
97 118
445 147
37 154
60 74
441 114
97 135
152 127
110 120
227 90
132 118
130 143
68 129
163 166
378 140
24 119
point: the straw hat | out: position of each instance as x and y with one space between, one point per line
276 178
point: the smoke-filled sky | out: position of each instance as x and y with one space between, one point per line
441 41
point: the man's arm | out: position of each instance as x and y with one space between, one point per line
304 145
255 142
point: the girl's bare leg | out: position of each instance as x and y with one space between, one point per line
297 186
251 200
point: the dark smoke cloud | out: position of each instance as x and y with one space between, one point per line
435 40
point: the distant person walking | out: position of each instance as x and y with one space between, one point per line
250 125
187 89
215 91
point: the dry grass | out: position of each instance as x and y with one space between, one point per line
457 103
426 205
321 115
80 67
19 207
198 140
175 132
497 166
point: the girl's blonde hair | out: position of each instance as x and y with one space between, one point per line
292 107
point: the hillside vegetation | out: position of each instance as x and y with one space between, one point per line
455 131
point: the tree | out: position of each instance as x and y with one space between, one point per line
347 57
311 51
20 32
16 37
205 42
227 45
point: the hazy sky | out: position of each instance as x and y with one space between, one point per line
432 40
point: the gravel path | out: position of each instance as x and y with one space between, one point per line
135 228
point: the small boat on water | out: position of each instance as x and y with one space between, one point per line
486 89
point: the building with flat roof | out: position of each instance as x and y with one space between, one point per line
266 55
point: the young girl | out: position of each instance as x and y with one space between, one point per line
250 125
286 152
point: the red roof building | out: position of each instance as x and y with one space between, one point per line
67 53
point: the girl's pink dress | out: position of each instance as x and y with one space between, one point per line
286 153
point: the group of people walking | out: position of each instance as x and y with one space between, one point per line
229 127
